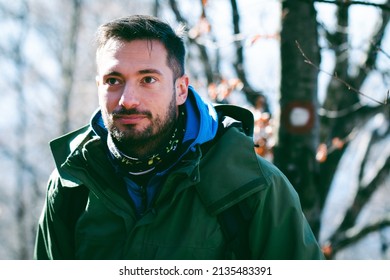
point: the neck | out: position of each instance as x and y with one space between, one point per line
157 154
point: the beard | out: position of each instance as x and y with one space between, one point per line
148 140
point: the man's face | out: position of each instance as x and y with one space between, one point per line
138 95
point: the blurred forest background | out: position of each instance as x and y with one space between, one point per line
316 75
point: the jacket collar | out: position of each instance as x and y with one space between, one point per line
67 146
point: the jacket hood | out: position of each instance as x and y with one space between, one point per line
202 119
232 115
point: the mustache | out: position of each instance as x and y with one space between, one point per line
133 111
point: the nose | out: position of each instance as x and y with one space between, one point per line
129 98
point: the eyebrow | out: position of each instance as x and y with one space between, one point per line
150 71
113 73
143 71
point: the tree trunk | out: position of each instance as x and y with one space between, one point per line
69 64
298 133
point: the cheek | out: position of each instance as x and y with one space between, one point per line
107 100
102 100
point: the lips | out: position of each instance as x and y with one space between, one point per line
129 119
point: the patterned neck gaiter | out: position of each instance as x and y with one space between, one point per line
156 162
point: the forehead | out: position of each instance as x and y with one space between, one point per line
142 49
134 56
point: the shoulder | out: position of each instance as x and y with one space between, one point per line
62 149
64 145
68 142
232 171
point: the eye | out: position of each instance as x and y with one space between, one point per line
112 81
148 80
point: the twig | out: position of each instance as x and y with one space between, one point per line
383 52
349 87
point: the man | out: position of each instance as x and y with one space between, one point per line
158 173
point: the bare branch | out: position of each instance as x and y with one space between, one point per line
335 76
250 93
384 52
350 3
347 233
202 48
372 53
355 234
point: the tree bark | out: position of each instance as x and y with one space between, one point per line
299 131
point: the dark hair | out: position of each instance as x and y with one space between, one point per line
143 27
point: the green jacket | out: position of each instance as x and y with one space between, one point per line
182 223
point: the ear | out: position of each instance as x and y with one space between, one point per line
181 89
